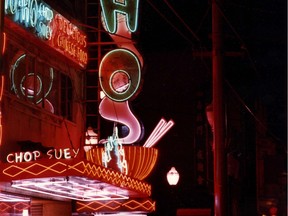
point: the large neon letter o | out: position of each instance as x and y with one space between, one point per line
120 74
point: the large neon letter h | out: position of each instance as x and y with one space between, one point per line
110 8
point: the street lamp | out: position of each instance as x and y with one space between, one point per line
173 176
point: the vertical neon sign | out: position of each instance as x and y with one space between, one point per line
120 69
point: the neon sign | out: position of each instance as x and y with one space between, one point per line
31 14
120 74
19 157
110 10
114 153
162 127
121 112
30 85
120 69
48 25
67 38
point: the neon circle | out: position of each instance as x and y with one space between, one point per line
120 64
19 80
120 81
29 81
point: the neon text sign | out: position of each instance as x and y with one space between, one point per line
67 38
19 157
31 14
48 25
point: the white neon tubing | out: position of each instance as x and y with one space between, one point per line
155 131
123 37
76 190
159 131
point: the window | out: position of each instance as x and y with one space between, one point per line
35 82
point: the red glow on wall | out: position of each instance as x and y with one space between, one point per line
4 43
1 94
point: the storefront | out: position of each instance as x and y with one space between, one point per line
44 167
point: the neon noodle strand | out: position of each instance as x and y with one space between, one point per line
155 131
159 131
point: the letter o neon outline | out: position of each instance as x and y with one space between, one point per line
115 60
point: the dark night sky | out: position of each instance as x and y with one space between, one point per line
256 29
169 33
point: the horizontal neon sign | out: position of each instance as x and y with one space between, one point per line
67 38
31 14
19 157
48 25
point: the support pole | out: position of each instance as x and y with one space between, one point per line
220 166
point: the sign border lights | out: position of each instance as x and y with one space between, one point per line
120 60
110 8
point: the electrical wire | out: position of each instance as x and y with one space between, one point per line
170 23
183 22
250 111
243 46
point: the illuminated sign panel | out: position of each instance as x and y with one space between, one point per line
49 26
32 14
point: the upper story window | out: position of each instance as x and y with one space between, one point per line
34 81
